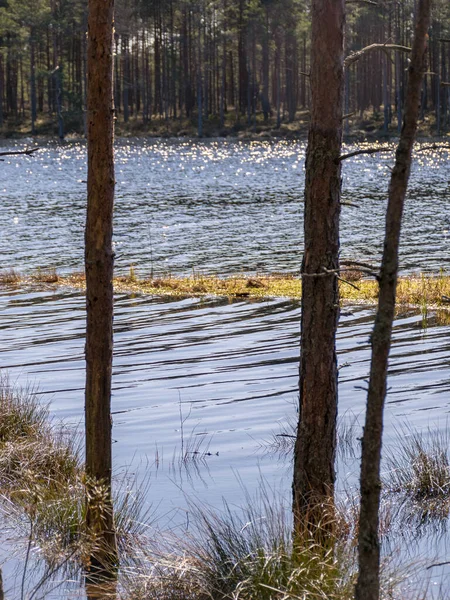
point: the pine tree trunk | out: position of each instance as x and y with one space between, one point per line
99 259
368 585
314 472
33 102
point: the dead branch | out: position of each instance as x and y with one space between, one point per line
27 152
433 147
439 564
376 149
352 204
364 151
351 58
335 273
348 283
361 2
356 263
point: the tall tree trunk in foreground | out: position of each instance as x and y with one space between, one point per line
368 585
314 456
99 260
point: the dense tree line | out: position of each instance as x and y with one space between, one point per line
224 62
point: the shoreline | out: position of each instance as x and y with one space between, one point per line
425 291
368 127
242 136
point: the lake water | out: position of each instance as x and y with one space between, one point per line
213 374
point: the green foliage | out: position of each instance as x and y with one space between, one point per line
166 49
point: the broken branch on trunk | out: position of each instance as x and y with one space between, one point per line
352 204
27 152
433 147
352 58
364 151
376 150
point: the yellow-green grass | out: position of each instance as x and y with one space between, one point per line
424 291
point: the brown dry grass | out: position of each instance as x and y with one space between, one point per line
9 277
423 291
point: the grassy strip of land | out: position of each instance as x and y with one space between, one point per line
424 290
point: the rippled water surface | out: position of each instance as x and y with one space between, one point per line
215 376
218 206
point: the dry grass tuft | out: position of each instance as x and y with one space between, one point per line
42 481
246 555
9 277
45 276
419 472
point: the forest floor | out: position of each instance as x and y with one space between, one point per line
358 127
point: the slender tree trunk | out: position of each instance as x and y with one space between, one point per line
277 75
125 78
314 473
59 99
32 84
368 585
385 95
199 88
223 81
265 68
1 92
99 259
242 60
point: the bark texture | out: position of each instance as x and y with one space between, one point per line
368 585
99 261
314 456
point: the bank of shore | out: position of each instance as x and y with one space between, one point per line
425 291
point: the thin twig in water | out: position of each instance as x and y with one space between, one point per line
182 422
439 564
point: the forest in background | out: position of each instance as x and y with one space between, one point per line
211 66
